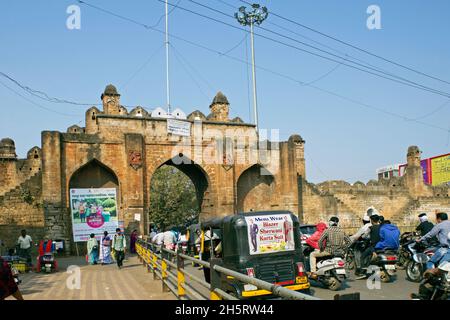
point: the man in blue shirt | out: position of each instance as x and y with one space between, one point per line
440 230
389 236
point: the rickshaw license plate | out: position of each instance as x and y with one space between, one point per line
390 267
340 271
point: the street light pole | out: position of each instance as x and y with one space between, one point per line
167 58
257 15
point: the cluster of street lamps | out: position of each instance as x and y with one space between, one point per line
256 16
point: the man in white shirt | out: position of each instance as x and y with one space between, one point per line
24 242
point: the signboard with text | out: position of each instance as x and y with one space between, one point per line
270 233
177 127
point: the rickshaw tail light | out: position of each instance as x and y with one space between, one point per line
300 269
251 272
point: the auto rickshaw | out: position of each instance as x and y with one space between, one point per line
265 245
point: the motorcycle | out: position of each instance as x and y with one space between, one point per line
385 262
47 263
404 254
436 286
330 270
420 254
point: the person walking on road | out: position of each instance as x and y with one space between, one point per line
24 242
133 238
92 249
119 246
105 249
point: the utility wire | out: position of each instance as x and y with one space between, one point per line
388 77
42 95
219 53
35 103
353 46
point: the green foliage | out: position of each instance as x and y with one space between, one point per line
173 199
108 203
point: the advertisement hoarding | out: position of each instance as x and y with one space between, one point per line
440 169
93 211
270 233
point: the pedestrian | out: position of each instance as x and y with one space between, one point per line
106 248
24 242
133 238
8 286
92 249
119 246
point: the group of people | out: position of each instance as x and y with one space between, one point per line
376 234
85 210
168 239
110 248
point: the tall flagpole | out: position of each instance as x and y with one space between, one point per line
167 58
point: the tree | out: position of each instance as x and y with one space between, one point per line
173 199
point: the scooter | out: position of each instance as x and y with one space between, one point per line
46 260
330 270
420 254
385 262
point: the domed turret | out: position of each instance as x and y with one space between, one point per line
111 100
7 149
219 108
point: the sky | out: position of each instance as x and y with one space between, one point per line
353 122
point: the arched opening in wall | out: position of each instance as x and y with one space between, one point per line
255 189
91 205
178 191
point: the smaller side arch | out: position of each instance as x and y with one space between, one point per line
255 189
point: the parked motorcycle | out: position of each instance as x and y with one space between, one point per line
420 254
404 254
330 270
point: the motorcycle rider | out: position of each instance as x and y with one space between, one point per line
313 241
359 239
426 287
366 256
440 230
425 226
389 236
334 242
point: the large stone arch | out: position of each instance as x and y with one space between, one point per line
197 174
255 189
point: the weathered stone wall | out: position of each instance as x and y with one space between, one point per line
21 208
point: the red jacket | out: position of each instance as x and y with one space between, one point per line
313 241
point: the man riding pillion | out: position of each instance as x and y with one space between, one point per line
425 226
440 230
374 239
313 241
359 239
389 236
333 242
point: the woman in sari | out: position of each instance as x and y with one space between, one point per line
92 248
133 238
106 249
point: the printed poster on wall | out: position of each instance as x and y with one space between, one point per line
270 233
93 211
440 170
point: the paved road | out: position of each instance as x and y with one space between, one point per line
98 282
134 283
399 289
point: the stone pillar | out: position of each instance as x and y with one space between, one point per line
414 174
135 181
8 167
57 223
